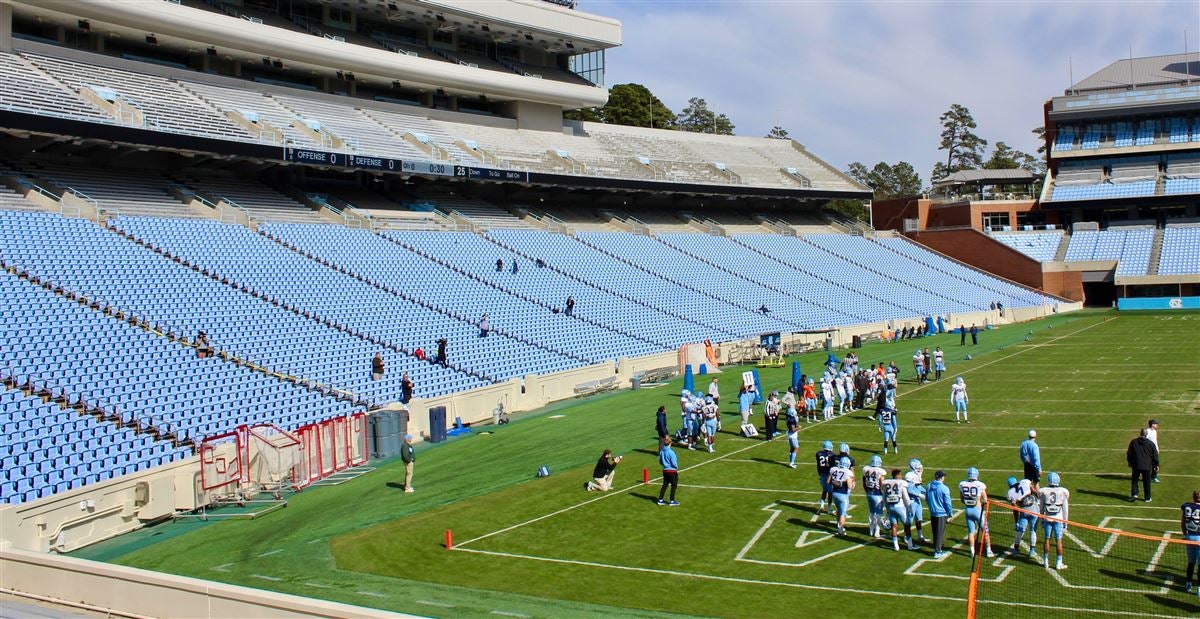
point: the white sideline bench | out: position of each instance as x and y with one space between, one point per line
596 386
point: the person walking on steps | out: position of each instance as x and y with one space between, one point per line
670 472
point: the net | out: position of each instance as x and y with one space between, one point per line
1130 564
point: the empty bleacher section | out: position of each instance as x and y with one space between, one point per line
1126 134
311 303
1130 247
1040 245
262 203
157 103
115 191
45 84
1182 174
1180 250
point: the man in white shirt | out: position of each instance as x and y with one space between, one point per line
715 392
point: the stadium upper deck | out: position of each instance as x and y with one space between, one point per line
430 88
1127 136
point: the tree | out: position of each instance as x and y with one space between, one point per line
697 118
778 133
586 114
1005 157
887 181
628 104
1040 134
964 149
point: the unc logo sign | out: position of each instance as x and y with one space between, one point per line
1175 303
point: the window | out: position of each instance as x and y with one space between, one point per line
445 37
342 18
589 66
995 221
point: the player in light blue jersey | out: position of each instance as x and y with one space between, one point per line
1023 495
873 476
887 419
1055 503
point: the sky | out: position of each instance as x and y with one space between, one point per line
866 81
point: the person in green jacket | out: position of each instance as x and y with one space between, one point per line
407 455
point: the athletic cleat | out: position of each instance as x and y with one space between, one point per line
990 554
662 502
1032 553
910 545
710 449
841 531
793 465
1147 499
1060 565
938 555
1187 587
674 503
1046 562
895 544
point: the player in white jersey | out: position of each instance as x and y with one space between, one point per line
916 495
974 495
841 480
685 412
1023 494
1055 501
895 497
873 476
919 365
939 363
958 398
839 383
710 413
827 396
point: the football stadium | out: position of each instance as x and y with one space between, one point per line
263 257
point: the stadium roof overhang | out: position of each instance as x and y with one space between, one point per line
533 23
195 30
80 135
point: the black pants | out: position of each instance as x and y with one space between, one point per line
1032 473
670 478
939 531
772 426
1146 475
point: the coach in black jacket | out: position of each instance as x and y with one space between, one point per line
1142 457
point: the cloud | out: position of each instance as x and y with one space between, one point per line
867 81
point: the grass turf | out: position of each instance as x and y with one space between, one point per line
546 548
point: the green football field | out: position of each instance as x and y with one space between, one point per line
747 541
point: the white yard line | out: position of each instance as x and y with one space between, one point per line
792 585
